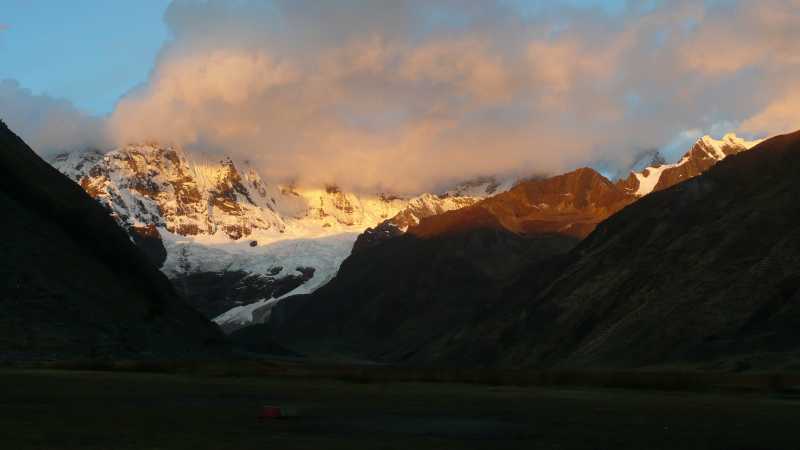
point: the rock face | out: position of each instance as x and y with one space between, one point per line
199 220
72 283
150 185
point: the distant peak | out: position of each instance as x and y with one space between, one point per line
480 187
728 139
658 160
706 152
582 171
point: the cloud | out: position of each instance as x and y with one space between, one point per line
50 126
410 95
777 117
399 95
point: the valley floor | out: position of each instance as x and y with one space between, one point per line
54 409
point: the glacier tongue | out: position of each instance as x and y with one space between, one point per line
279 258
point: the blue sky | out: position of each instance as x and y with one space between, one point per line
87 51
91 52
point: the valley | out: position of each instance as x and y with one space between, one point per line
400 224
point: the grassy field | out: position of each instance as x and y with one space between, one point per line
58 409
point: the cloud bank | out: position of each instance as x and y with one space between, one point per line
50 126
410 95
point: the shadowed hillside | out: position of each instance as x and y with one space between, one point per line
707 270
71 282
705 273
395 297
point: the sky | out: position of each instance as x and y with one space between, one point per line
405 95
96 50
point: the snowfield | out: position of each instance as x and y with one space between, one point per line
324 253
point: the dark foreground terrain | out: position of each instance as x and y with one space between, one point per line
71 281
50 409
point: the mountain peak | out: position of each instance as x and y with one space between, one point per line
480 187
705 153
570 204
721 148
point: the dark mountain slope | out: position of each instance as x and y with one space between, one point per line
703 274
71 282
390 301
394 297
708 270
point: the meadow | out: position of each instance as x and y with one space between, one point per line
149 407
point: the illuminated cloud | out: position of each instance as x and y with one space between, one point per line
49 125
410 95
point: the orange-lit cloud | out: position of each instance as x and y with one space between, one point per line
410 94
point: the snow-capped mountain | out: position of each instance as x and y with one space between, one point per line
152 185
232 242
706 152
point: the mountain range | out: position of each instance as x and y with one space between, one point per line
691 264
578 271
234 245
